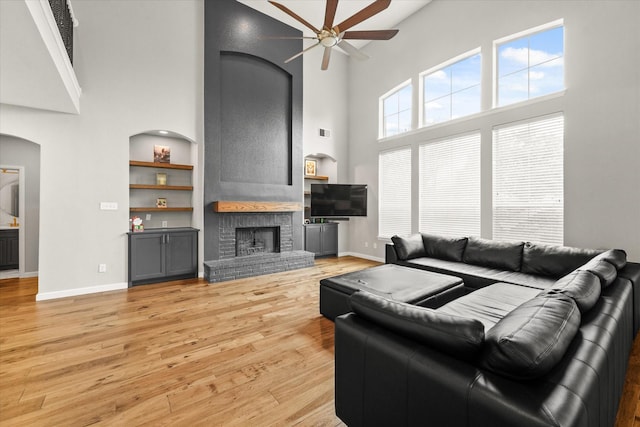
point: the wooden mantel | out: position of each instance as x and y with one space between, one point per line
241 206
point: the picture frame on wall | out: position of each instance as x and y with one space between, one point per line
161 154
310 167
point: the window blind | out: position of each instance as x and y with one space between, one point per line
528 179
394 182
450 186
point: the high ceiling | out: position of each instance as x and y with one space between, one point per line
313 11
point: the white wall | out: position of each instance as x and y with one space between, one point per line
601 106
140 67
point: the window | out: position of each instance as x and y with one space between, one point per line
396 111
394 181
528 195
450 186
530 66
451 91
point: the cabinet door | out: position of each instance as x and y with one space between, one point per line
9 250
330 239
312 239
146 257
182 253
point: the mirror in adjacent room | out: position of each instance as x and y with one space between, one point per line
9 196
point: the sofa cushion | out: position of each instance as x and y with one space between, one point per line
455 335
552 260
489 304
494 253
617 257
448 248
528 342
602 268
582 286
408 247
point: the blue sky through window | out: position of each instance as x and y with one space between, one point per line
452 91
531 66
397 111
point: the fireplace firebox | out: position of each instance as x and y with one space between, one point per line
257 240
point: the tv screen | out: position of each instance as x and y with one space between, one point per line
338 200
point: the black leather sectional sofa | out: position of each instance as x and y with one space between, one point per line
541 337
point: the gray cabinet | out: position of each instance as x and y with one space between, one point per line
158 255
321 239
9 250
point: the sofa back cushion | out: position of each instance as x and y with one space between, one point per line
617 257
582 286
447 248
458 336
554 261
529 341
493 253
602 268
408 247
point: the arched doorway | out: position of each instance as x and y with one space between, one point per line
20 205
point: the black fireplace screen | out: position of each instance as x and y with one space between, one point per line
257 240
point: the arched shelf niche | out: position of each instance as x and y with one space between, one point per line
326 172
162 171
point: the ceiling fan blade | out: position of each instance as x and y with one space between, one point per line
285 38
325 58
289 12
300 53
370 35
352 50
366 13
330 14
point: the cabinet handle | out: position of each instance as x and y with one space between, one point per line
167 238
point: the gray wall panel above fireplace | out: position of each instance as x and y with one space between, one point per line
255 120
253 116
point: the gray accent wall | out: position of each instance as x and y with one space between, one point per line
20 152
252 114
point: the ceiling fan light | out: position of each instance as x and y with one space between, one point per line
329 41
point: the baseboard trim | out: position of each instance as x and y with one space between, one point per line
42 296
359 255
29 274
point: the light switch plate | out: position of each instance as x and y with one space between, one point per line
108 206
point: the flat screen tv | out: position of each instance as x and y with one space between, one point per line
338 200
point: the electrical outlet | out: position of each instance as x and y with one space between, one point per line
366 244
102 268
375 245
164 224
148 217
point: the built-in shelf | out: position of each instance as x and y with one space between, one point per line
161 187
317 177
154 209
159 165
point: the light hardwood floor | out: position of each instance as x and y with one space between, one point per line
252 352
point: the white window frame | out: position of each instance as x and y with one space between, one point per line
381 100
445 64
526 33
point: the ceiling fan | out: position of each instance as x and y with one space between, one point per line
337 35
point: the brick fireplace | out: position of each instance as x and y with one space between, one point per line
255 243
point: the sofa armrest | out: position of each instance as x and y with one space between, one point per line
631 272
390 255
